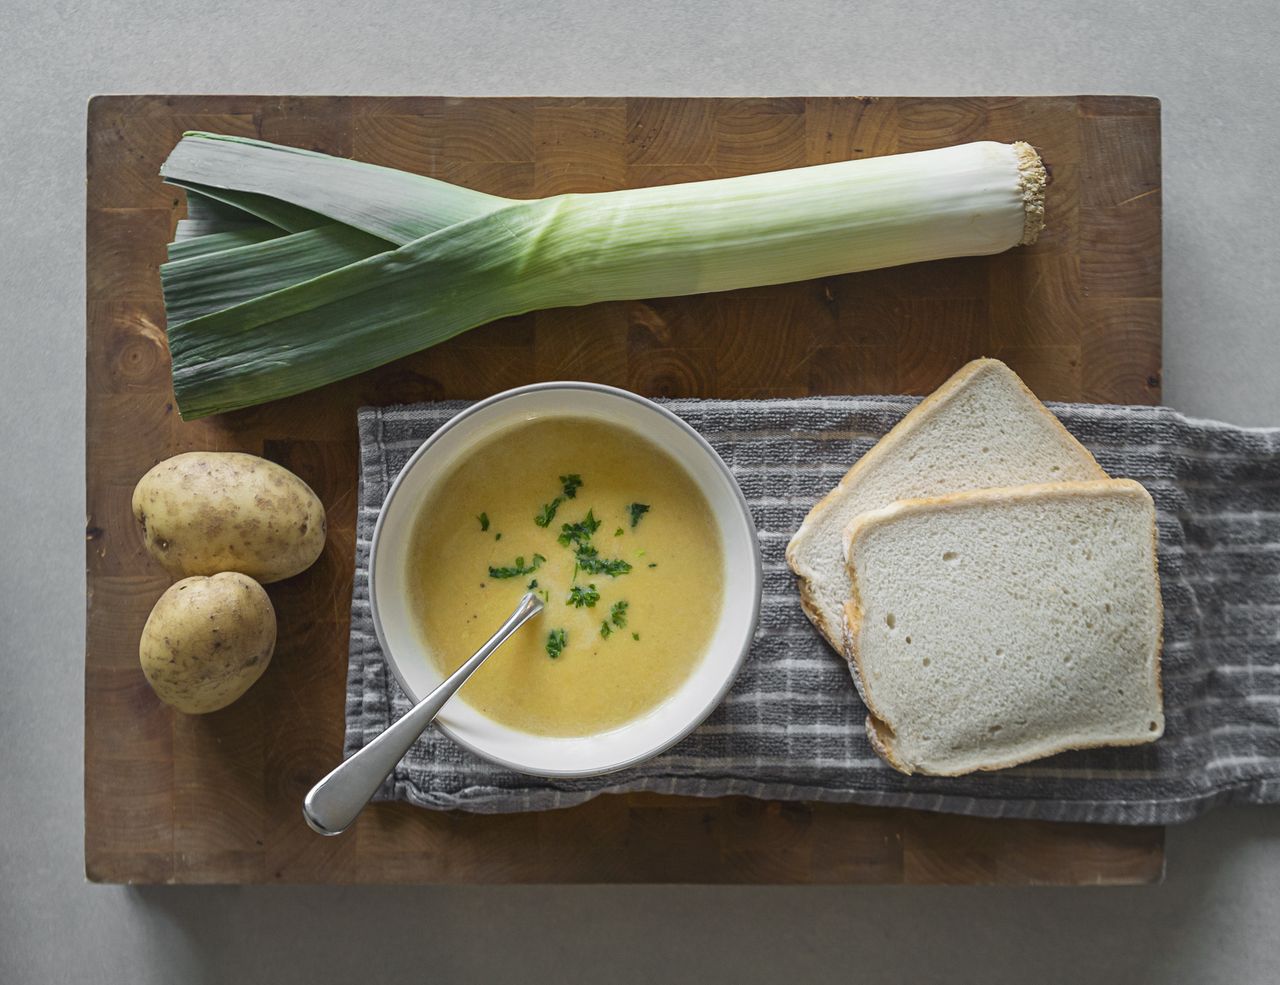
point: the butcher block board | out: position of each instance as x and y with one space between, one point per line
217 798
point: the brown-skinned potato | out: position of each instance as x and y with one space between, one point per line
205 512
207 641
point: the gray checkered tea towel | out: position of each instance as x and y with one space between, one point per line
792 726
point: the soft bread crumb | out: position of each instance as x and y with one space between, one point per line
981 428
1042 633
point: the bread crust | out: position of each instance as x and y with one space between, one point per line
891 757
1159 655
885 446
881 738
880 731
810 607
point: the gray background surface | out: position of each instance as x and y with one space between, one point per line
1215 67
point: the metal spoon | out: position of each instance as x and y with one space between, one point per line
334 802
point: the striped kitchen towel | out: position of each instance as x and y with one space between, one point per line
792 726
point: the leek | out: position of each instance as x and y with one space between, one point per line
301 269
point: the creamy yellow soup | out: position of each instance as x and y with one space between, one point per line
618 541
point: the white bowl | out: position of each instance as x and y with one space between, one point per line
656 730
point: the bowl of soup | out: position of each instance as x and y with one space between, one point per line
631 529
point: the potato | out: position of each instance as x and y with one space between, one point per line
207 640
205 512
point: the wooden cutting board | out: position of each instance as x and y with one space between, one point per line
217 798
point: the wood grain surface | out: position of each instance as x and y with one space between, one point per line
216 799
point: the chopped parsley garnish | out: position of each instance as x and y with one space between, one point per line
579 597
590 561
518 569
654 564
548 513
570 484
556 641
578 533
635 636
606 630
577 537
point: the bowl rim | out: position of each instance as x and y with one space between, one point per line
757 573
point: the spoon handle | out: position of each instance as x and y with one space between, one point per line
334 802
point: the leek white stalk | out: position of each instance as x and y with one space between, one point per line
345 266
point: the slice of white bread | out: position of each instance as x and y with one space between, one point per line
992 627
981 428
